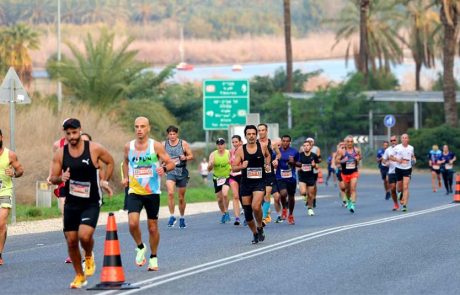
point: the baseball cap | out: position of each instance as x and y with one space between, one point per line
220 140
71 123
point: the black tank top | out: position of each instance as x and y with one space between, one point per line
83 185
255 171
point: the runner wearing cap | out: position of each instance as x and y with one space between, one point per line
77 165
180 152
9 168
219 163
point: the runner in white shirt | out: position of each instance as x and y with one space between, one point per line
404 157
391 170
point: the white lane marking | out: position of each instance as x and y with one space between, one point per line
163 279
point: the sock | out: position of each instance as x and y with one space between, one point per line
140 246
153 255
265 208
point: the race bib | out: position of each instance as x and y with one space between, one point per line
286 173
350 165
254 173
176 160
79 189
221 181
435 167
449 166
143 172
306 167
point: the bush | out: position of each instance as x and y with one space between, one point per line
423 139
34 212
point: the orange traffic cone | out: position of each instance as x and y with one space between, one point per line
320 176
112 276
457 189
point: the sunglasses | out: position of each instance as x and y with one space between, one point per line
393 140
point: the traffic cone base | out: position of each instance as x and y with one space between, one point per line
112 275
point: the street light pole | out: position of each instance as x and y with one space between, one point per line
59 85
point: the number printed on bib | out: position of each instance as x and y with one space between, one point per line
221 181
350 165
143 172
79 188
254 173
286 173
306 167
176 160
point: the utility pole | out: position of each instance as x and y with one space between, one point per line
59 85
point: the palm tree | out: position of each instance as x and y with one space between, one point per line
15 43
102 74
288 43
424 24
449 12
377 24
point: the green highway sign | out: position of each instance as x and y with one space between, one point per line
225 103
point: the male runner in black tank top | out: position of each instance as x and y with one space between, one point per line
76 164
253 159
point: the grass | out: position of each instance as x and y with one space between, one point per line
30 212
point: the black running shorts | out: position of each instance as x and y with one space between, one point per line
77 214
151 203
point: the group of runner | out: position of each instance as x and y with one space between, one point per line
441 163
254 171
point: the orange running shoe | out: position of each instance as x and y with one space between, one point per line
284 214
395 207
291 220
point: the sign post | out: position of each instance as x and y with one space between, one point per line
389 122
225 103
11 92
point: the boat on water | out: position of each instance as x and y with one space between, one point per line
237 68
183 66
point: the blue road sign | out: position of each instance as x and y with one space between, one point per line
389 121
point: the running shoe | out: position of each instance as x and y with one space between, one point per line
223 219
348 204
404 208
90 265
182 223
140 256
172 221
79 282
284 214
352 207
68 260
268 219
237 221
261 234
395 207
255 238
153 264
227 217
291 220
310 212
344 204
278 219
387 196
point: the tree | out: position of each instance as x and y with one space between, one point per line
288 43
102 74
377 23
15 43
424 25
449 12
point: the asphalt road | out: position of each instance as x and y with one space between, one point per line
374 251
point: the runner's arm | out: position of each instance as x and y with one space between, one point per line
236 164
168 164
17 170
56 168
125 179
188 155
